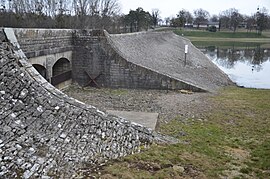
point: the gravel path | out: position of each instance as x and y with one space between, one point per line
169 104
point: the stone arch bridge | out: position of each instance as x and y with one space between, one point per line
49 51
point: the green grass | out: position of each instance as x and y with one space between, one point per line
234 141
221 34
225 39
230 44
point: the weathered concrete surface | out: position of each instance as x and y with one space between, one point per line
163 52
144 118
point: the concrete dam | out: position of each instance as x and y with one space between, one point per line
46 134
149 60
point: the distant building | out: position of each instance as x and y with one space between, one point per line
205 25
242 25
216 24
189 25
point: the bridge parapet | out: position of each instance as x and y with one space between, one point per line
42 42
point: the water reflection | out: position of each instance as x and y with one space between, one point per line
247 66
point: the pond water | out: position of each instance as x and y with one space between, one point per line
247 66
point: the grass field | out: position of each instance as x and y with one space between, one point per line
230 44
216 39
233 141
221 34
226 37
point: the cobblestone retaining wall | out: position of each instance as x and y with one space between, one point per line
44 133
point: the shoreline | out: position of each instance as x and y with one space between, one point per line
213 39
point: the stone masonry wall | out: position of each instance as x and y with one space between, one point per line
42 42
143 60
94 55
97 56
44 133
163 53
88 57
121 73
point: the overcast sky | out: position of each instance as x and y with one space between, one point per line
172 7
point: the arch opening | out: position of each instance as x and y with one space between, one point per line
61 71
41 70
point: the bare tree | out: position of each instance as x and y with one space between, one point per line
184 17
230 18
109 7
96 7
18 6
50 7
60 13
224 19
262 19
214 18
235 19
250 22
155 16
201 16
95 13
167 21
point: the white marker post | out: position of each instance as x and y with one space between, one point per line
186 51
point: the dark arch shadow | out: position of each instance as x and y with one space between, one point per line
41 70
62 65
61 71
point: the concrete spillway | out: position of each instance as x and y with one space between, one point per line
163 52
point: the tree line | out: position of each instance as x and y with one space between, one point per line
60 13
228 19
106 14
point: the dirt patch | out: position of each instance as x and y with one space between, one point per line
148 166
169 104
237 154
237 165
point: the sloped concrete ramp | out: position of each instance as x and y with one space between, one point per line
163 52
146 119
